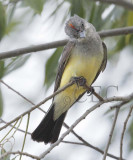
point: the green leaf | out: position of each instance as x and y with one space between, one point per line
77 8
2 21
1 103
129 23
1 68
16 63
11 26
130 131
36 5
51 67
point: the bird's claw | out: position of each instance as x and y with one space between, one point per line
90 91
80 81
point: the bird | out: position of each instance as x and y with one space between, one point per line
85 55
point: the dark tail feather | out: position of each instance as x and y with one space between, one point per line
48 130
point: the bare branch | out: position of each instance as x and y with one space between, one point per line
73 125
27 125
84 142
123 99
119 105
34 48
2 121
19 153
122 3
39 104
111 133
56 44
70 142
19 94
126 98
90 145
16 92
123 132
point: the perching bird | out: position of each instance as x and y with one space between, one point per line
85 55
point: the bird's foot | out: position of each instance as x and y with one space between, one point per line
90 90
80 81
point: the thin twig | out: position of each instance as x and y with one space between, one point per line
111 133
84 142
123 132
69 130
56 44
39 104
122 3
9 131
119 105
14 127
70 142
126 98
18 93
90 145
120 98
28 119
19 153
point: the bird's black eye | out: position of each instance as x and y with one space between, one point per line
82 25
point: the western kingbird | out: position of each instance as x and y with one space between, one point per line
85 55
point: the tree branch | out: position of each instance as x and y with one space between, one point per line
122 3
81 139
12 126
19 94
90 145
126 98
56 44
123 99
19 153
39 104
111 133
123 132
76 122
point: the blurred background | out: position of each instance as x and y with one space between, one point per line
31 22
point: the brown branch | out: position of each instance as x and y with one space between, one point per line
122 3
34 48
2 121
19 153
123 132
111 133
90 145
119 105
84 142
76 122
39 104
126 98
20 94
56 44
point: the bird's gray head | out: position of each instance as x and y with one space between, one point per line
77 27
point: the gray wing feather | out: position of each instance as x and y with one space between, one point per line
63 61
104 62
105 57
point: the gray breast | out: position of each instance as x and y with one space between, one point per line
91 45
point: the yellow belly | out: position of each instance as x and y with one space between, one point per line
78 65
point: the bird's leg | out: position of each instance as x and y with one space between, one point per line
91 91
80 81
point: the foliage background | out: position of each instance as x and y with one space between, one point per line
30 22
